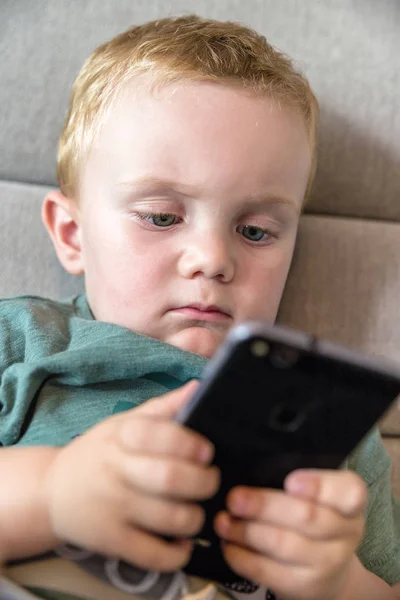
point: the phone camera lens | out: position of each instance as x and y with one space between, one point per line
259 348
283 357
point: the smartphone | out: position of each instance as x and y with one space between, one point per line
273 400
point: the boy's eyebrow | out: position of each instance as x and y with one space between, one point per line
148 184
145 185
264 201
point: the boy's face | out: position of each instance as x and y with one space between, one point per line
189 208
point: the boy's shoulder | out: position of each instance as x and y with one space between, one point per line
370 458
27 322
19 309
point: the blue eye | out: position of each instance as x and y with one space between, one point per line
161 219
253 233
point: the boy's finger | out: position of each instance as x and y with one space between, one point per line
147 436
147 551
284 579
170 477
342 491
281 510
163 516
168 405
284 545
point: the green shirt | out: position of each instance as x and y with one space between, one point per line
62 372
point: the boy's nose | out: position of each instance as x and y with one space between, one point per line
209 256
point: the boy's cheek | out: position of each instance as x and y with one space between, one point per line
267 287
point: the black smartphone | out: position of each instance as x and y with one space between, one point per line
273 400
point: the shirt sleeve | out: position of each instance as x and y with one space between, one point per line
379 550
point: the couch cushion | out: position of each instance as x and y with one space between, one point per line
345 283
348 49
390 424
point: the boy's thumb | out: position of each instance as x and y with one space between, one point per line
168 404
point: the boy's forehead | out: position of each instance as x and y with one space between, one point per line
184 128
145 97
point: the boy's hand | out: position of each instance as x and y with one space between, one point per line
130 479
300 542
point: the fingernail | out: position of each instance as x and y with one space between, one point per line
299 483
240 504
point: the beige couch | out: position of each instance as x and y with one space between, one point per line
345 281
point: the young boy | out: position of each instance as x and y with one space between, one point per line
184 162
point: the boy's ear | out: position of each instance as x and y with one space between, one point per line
60 216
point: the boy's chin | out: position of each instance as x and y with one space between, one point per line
197 339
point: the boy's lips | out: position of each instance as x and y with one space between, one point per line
202 312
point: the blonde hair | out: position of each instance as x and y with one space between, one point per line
183 48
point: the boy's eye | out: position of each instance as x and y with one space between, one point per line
160 219
253 233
